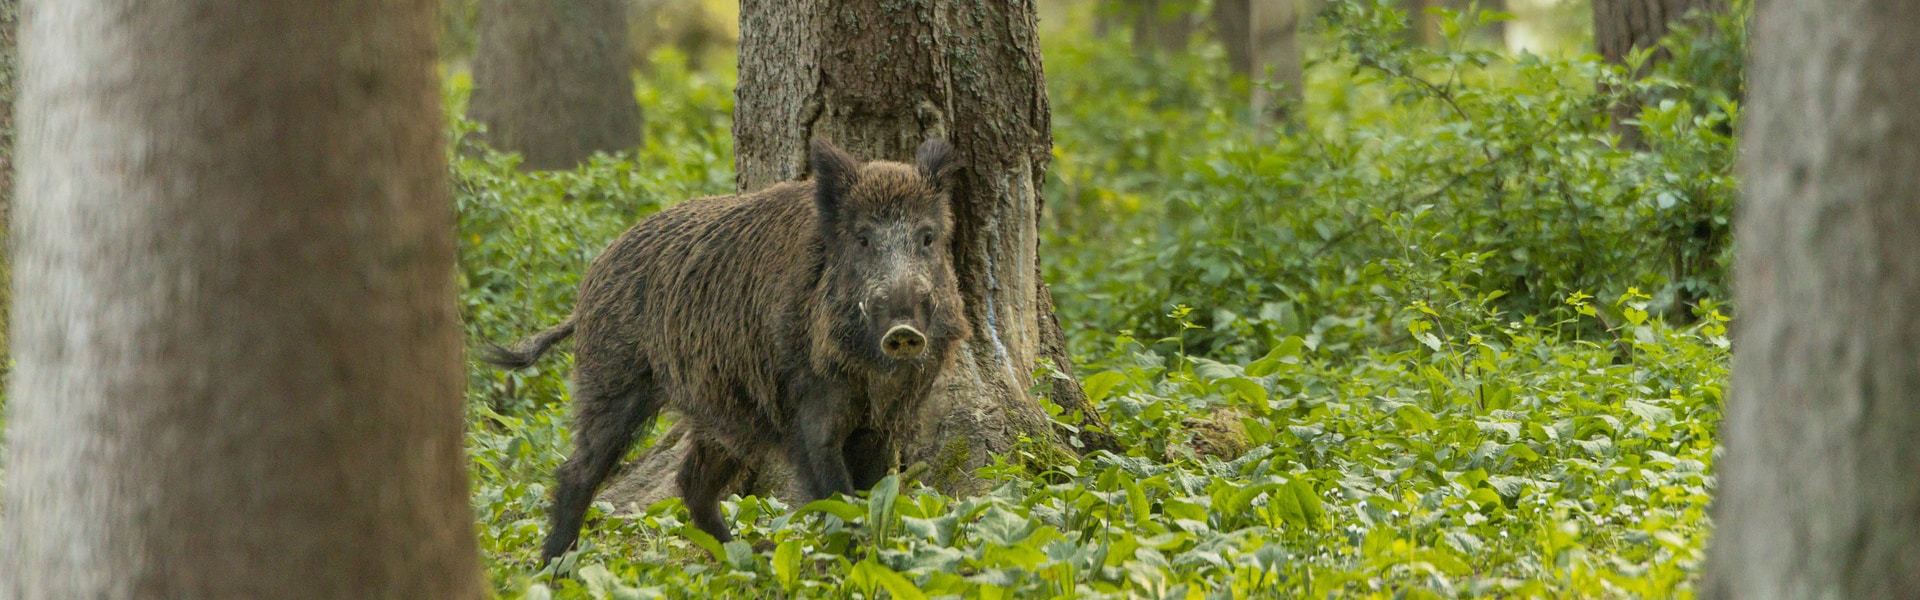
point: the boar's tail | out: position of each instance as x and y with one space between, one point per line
525 351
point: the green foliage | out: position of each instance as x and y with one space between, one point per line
1357 357
526 237
1492 459
1412 165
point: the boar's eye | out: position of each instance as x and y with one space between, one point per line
926 238
865 241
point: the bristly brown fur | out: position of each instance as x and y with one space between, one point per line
752 317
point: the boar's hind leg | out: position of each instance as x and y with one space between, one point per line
704 476
609 414
868 453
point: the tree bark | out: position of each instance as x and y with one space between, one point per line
1622 26
878 77
1818 494
9 88
239 369
551 80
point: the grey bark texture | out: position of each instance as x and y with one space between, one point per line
9 88
239 369
878 77
552 81
1819 487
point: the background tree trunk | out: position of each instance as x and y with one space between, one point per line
1233 25
1623 26
551 80
1819 493
239 357
1162 25
1275 39
878 81
1262 39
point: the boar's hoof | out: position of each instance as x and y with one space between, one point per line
903 342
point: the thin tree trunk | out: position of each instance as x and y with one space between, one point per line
1426 26
1160 26
1262 39
551 80
239 368
1275 36
1819 493
968 70
1233 25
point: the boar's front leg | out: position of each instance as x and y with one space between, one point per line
818 434
869 453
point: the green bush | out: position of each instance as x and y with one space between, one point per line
1412 164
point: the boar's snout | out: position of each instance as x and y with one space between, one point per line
903 342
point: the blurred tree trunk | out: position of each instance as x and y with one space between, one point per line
552 81
1160 26
1426 26
1819 492
1622 26
9 89
1275 37
966 70
1262 42
239 357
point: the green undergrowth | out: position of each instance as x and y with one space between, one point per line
1500 462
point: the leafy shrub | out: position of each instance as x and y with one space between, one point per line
1460 163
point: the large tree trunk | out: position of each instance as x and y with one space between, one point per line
968 70
551 80
1819 493
239 368
9 87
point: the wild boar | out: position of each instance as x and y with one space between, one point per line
806 321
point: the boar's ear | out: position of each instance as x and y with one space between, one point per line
833 174
937 164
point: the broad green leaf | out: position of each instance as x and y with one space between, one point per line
786 564
1098 385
